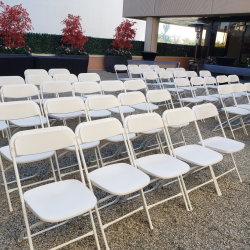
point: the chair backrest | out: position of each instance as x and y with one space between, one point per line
63 105
153 67
159 70
191 74
143 122
37 79
87 87
171 70
135 71
89 77
197 81
130 66
225 89
180 69
158 96
144 66
19 91
180 74
112 86
147 70
222 79
65 77
19 110
205 73
166 75
98 130
178 116
233 79
53 72
210 80
239 87
131 98
247 86
120 67
28 72
133 85
150 76
181 82
56 87
205 111
8 80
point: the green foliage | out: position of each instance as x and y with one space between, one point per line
120 52
166 49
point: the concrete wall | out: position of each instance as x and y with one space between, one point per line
99 17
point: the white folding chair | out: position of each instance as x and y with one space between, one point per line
238 113
153 67
144 66
119 179
29 72
135 71
199 156
161 167
205 73
89 77
191 74
20 110
57 202
180 74
65 77
53 72
152 79
37 79
8 80
234 79
121 68
220 144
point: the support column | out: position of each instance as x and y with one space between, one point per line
151 35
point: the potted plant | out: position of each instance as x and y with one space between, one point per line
72 38
14 24
120 52
210 60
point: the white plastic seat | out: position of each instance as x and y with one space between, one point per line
99 113
236 110
125 110
119 138
67 115
191 100
3 125
85 146
60 201
119 179
156 165
29 122
143 107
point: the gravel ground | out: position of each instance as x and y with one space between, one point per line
215 222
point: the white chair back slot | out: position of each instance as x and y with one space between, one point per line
205 111
191 74
18 110
53 72
9 80
238 87
144 66
153 67
210 80
180 69
102 102
65 77
120 67
181 82
112 86
37 79
87 87
89 77
19 91
98 130
222 79
158 95
29 72
180 74
135 85
150 76
178 116
143 122
225 89
64 105
54 87
41 140
197 81
131 98
205 73
233 79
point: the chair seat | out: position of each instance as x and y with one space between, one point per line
143 107
125 110
188 88
3 125
198 155
5 152
99 113
162 166
199 87
85 146
42 100
92 95
207 98
119 138
29 122
60 200
222 96
191 99
223 145
237 95
67 115
174 90
212 86
119 179
236 111
154 84
245 94
153 131
168 83
124 79
244 106
179 126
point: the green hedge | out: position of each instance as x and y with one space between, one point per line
47 43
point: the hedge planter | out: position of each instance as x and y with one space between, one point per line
76 56
111 61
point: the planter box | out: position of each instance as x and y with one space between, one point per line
111 61
8 55
75 56
148 55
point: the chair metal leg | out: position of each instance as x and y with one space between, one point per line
146 209
215 181
235 166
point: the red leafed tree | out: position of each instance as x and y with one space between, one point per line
124 35
14 24
72 33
